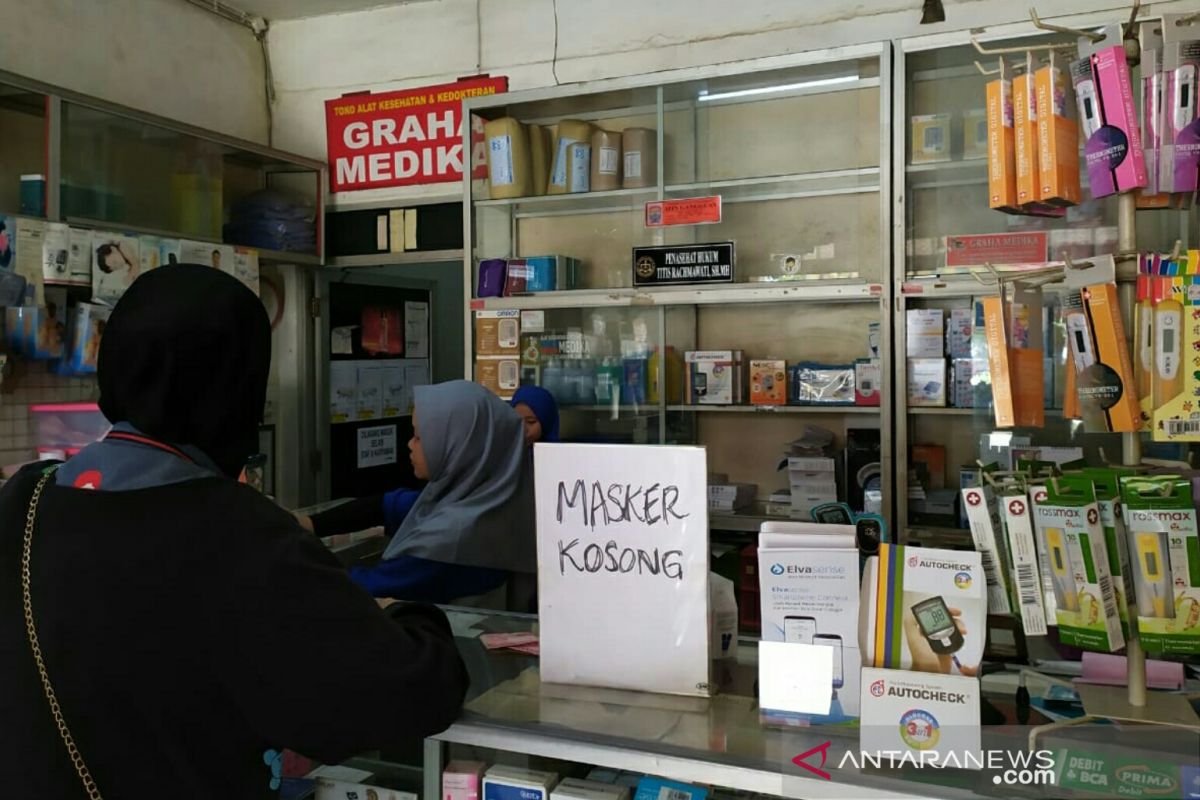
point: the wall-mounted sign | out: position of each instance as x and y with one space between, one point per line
404 138
689 211
997 248
376 446
684 263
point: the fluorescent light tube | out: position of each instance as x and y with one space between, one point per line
787 87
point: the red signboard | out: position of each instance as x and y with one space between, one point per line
403 138
997 248
692 211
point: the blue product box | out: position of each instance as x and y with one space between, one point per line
649 788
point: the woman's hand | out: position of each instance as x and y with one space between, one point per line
305 522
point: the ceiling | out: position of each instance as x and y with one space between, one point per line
272 10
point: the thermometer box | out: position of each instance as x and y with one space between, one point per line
983 517
1179 158
1106 482
1025 137
512 783
1176 353
1111 130
1058 136
1085 598
1001 151
1027 580
1102 366
1164 552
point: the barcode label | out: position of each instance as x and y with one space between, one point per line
1027 586
667 793
1176 427
1106 592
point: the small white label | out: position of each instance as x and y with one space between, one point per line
510 376
500 149
533 321
508 333
558 175
610 161
633 164
376 446
581 168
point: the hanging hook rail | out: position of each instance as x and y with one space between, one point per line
1000 51
1047 26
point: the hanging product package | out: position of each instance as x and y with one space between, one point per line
983 517
1002 170
1143 339
1165 561
1058 136
1111 129
1025 136
1085 599
571 169
1027 356
1177 352
1153 84
1179 161
539 158
507 158
1106 482
1099 352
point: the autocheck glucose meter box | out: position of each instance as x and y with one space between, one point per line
810 595
932 718
924 609
512 783
1084 597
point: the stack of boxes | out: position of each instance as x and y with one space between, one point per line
926 357
813 481
498 351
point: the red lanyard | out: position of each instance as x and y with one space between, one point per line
148 442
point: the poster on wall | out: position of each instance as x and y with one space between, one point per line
116 263
404 138
622 542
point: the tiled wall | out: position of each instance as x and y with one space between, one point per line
34 383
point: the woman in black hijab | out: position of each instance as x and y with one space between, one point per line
188 629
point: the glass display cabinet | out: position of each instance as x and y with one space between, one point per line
794 148
23 169
941 202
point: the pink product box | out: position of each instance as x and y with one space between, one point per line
461 780
1112 131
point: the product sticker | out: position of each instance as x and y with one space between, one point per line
500 150
581 162
633 164
610 161
559 176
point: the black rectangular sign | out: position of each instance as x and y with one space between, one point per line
684 263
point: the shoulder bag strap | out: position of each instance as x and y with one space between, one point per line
89 785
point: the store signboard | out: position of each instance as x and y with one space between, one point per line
404 138
688 211
623 598
683 263
997 248
376 446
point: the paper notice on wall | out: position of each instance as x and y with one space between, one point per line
343 391
416 330
28 262
79 257
245 267
219 256
370 392
116 264
416 373
376 446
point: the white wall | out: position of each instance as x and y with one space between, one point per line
390 48
162 56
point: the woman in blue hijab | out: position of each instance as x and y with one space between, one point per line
540 413
470 531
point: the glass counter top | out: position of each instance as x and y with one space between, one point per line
722 741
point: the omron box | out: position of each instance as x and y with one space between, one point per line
499 375
512 783
498 333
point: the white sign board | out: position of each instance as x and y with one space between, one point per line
623 596
376 446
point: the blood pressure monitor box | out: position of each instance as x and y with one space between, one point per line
810 595
924 609
1077 559
1164 550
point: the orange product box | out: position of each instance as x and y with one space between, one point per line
768 382
1026 357
1058 137
1025 138
998 366
499 375
1002 171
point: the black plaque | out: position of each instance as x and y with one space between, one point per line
682 264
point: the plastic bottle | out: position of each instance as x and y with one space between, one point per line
553 380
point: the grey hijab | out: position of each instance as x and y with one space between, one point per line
477 509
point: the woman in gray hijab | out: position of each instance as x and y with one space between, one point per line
470 532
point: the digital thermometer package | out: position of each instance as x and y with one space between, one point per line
810 596
1111 129
1106 483
1176 349
1077 559
1164 551
924 609
1179 158
1099 352
983 517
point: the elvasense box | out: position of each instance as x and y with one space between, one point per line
498 333
512 783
